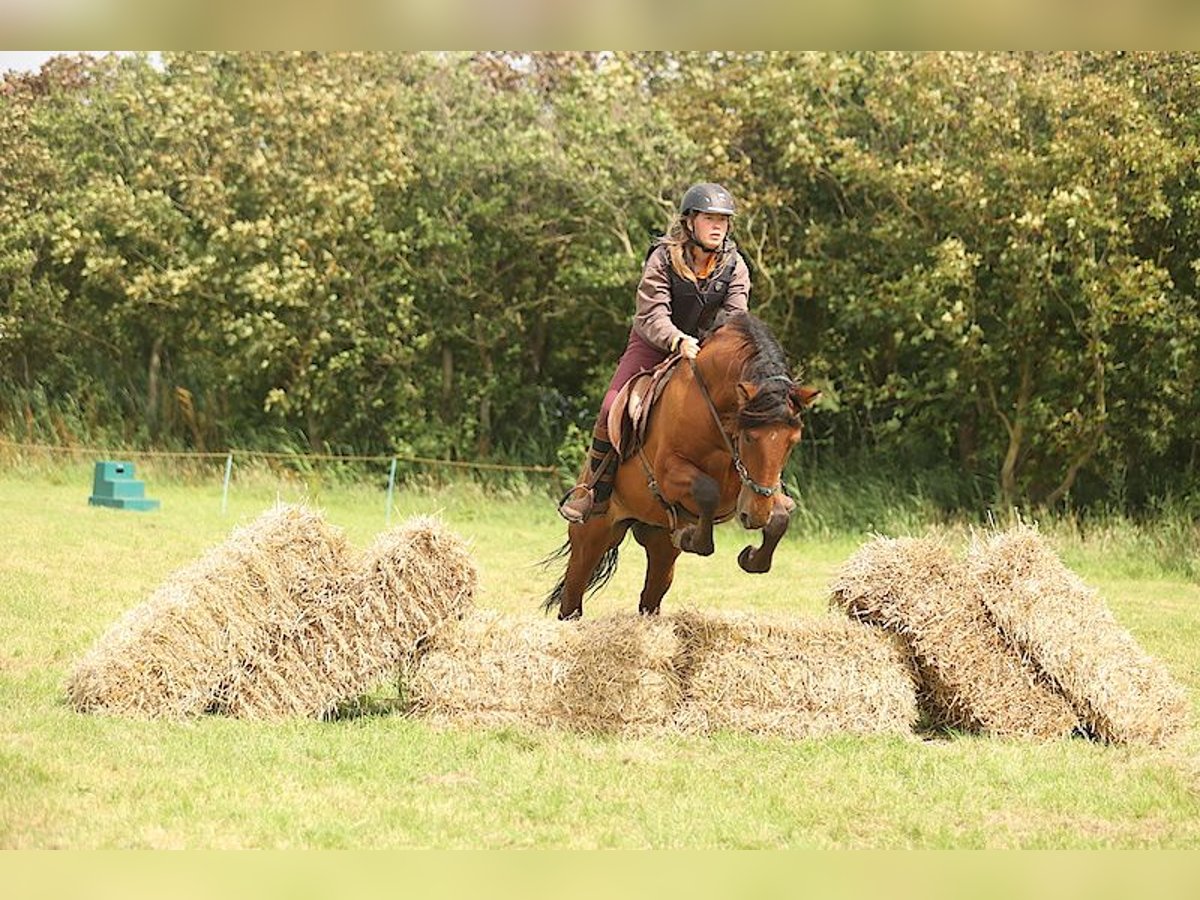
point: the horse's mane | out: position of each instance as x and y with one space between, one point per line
764 366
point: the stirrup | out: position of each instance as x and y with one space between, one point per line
579 512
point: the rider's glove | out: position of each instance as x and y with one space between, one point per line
686 346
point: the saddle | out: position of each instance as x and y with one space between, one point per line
630 411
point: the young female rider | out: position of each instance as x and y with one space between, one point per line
694 268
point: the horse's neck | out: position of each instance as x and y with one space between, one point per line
721 373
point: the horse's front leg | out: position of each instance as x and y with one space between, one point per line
759 560
705 494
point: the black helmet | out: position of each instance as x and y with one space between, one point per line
706 197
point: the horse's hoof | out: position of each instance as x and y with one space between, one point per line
684 540
746 559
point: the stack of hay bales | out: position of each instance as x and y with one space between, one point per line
171 655
795 677
1010 641
613 674
970 678
368 629
694 672
1120 693
283 620
279 620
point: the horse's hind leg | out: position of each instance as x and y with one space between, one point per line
660 565
589 541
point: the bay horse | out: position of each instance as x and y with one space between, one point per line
715 446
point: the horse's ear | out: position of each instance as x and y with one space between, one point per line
805 395
747 391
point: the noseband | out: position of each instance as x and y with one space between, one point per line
738 465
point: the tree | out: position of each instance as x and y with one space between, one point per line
952 240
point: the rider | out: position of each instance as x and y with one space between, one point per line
691 270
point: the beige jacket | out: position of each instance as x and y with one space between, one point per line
652 319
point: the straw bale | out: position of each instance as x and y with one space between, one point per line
490 670
170 655
365 630
692 672
795 677
612 674
1122 694
970 677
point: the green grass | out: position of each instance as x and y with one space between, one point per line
82 781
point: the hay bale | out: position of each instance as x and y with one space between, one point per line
612 674
794 677
170 656
491 671
692 672
363 631
1122 694
970 676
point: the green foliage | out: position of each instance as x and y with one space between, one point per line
987 260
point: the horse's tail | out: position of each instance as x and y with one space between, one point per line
605 569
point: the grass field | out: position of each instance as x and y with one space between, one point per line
81 781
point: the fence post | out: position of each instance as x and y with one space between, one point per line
390 492
225 489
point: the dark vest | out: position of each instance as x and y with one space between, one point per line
692 307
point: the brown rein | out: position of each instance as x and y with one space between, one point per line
738 465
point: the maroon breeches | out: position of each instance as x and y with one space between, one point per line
639 356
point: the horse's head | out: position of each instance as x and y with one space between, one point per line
762 416
768 427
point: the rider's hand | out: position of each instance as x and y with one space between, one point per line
688 347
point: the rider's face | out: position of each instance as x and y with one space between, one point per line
710 229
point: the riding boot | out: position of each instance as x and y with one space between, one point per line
590 497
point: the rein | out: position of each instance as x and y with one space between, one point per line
738 465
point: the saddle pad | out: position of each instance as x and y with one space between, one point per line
630 412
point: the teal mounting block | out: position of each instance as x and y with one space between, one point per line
114 485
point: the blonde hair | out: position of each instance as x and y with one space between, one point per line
676 239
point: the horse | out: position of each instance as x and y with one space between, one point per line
715 445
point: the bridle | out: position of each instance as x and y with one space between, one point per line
731 445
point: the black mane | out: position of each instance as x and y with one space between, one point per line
767 368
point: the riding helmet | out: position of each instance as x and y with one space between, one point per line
706 197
